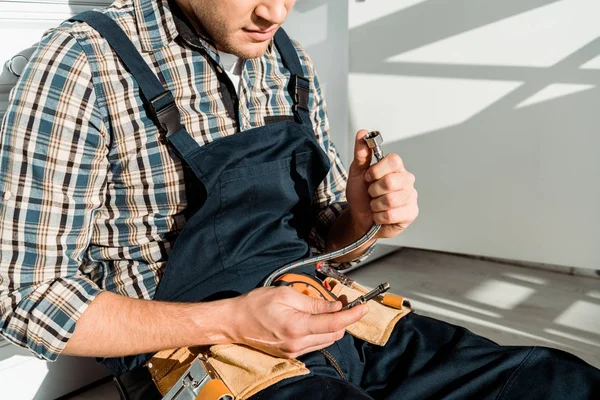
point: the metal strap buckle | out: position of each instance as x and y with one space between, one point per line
193 381
168 116
300 92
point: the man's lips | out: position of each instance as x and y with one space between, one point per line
260 35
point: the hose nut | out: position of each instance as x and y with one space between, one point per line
374 140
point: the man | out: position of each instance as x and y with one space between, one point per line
98 181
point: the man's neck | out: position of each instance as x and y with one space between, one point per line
183 10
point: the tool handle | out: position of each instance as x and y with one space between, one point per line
395 301
305 284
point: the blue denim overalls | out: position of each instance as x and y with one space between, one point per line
256 189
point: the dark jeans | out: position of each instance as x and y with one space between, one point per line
430 359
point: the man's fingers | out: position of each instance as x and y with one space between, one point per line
310 305
392 183
390 164
312 343
393 200
403 215
328 323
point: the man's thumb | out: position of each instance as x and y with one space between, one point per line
362 153
320 306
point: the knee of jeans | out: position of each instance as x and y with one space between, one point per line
545 358
547 355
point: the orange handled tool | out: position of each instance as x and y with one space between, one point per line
306 284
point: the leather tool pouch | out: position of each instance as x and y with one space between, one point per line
246 371
375 327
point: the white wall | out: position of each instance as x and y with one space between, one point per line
321 26
495 106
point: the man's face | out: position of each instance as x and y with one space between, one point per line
240 27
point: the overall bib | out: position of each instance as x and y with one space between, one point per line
255 190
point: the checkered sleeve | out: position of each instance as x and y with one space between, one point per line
331 194
53 169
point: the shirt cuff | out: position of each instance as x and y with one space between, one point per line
44 320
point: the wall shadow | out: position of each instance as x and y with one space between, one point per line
511 182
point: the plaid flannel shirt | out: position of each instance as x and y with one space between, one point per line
90 198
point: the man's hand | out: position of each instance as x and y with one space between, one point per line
383 193
285 323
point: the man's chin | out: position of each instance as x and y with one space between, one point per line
250 50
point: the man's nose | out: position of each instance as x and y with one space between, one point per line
274 11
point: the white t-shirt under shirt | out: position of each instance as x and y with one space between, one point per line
233 67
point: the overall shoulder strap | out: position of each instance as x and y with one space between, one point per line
159 101
299 87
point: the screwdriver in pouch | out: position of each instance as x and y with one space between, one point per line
384 287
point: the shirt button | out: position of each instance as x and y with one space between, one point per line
7 195
219 69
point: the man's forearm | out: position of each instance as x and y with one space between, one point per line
344 232
115 325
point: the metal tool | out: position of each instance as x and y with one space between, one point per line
374 140
384 287
199 382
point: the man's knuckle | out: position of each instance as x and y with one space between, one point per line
372 189
416 213
295 348
411 178
388 216
334 325
395 161
374 204
388 200
377 218
388 182
284 294
289 330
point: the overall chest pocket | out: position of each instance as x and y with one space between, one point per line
265 213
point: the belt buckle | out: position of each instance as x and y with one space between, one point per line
193 380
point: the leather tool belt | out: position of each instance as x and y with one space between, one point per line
232 371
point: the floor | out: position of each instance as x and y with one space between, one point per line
508 304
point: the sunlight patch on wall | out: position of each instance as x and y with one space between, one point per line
592 64
540 37
361 13
581 315
554 91
403 107
500 294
